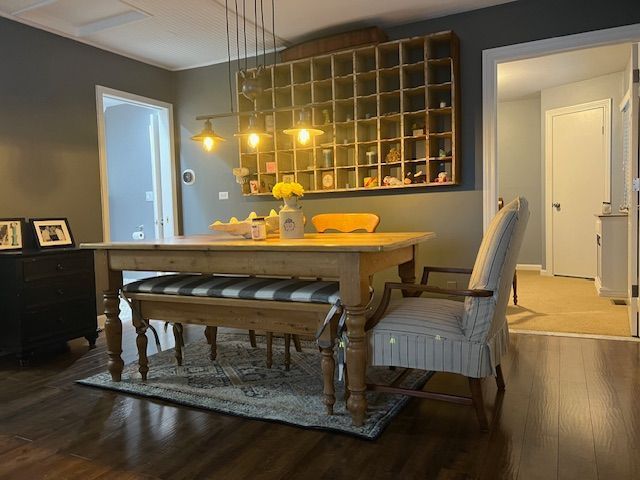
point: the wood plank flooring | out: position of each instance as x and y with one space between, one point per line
571 410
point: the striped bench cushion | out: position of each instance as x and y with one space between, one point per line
248 288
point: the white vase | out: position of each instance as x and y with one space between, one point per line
291 219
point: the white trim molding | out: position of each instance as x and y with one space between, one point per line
490 60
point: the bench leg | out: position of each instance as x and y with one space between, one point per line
177 335
212 334
328 364
296 342
269 349
287 351
252 338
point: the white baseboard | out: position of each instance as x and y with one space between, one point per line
606 292
545 273
529 266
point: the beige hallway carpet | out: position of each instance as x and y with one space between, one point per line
568 305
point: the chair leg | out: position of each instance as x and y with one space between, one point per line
212 334
515 288
252 338
177 335
499 378
207 335
269 349
287 351
296 342
476 396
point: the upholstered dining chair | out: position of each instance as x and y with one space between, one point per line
443 335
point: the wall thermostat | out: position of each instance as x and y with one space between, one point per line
189 177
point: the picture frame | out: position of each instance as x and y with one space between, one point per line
12 234
52 233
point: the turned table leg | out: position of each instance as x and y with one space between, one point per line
328 364
357 363
113 332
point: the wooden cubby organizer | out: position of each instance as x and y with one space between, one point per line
368 100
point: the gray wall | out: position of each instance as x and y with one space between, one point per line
520 167
48 128
129 170
454 213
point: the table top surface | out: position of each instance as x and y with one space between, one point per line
312 242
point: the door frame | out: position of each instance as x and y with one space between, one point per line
548 166
168 165
490 60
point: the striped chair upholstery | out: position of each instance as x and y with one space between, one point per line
248 288
467 337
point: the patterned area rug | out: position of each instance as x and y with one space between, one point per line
238 383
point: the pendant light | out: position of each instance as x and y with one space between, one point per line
208 137
253 134
303 130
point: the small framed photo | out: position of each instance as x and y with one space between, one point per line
52 232
11 233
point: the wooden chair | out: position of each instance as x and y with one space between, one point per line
515 273
441 335
346 222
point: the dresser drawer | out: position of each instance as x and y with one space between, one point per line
48 266
60 322
78 287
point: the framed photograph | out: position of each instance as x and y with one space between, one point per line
52 232
11 233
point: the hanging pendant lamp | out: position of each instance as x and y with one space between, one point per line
207 136
303 130
253 134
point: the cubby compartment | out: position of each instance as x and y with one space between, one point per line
415 148
267 182
439 71
390 80
323 114
345 133
344 87
367 108
307 180
440 123
440 146
413 76
413 51
439 96
283 97
321 68
346 178
367 130
264 101
368 154
322 90
439 46
342 64
391 175
282 75
415 124
368 177
285 161
302 72
250 161
304 159
388 55
440 171
366 84
302 94
267 163
414 100
345 155
390 127
344 111
415 172
366 60
390 152
389 104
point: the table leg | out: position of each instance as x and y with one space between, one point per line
407 273
113 332
357 363
328 364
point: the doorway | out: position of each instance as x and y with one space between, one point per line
137 167
578 164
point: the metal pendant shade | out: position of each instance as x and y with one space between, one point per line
207 136
303 130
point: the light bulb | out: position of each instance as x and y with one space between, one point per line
208 143
303 136
253 140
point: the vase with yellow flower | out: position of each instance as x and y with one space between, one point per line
291 216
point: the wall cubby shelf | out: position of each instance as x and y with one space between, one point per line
401 95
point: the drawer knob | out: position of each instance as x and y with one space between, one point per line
59 267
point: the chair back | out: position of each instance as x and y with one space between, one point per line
494 269
346 222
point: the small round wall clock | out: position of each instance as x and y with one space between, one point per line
189 177
328 181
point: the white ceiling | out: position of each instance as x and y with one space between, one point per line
180 34
526 78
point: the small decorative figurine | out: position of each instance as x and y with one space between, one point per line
326 117
393 156
370 182
442 177
419 177
408 179
390 181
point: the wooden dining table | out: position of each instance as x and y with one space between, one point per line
352 259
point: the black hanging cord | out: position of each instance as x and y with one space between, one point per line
273 29
244 28
264 51
238 38
226 14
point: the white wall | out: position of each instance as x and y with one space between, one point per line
520 166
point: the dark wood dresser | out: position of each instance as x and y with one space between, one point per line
46 298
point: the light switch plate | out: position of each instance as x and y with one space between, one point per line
636 184
223 195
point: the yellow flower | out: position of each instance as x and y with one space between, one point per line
286 190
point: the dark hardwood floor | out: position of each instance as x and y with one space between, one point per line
571 410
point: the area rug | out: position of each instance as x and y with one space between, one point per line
239 383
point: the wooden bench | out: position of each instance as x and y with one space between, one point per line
288 306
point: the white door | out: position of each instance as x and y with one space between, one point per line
632 112
579 177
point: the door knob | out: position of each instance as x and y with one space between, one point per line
556 205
